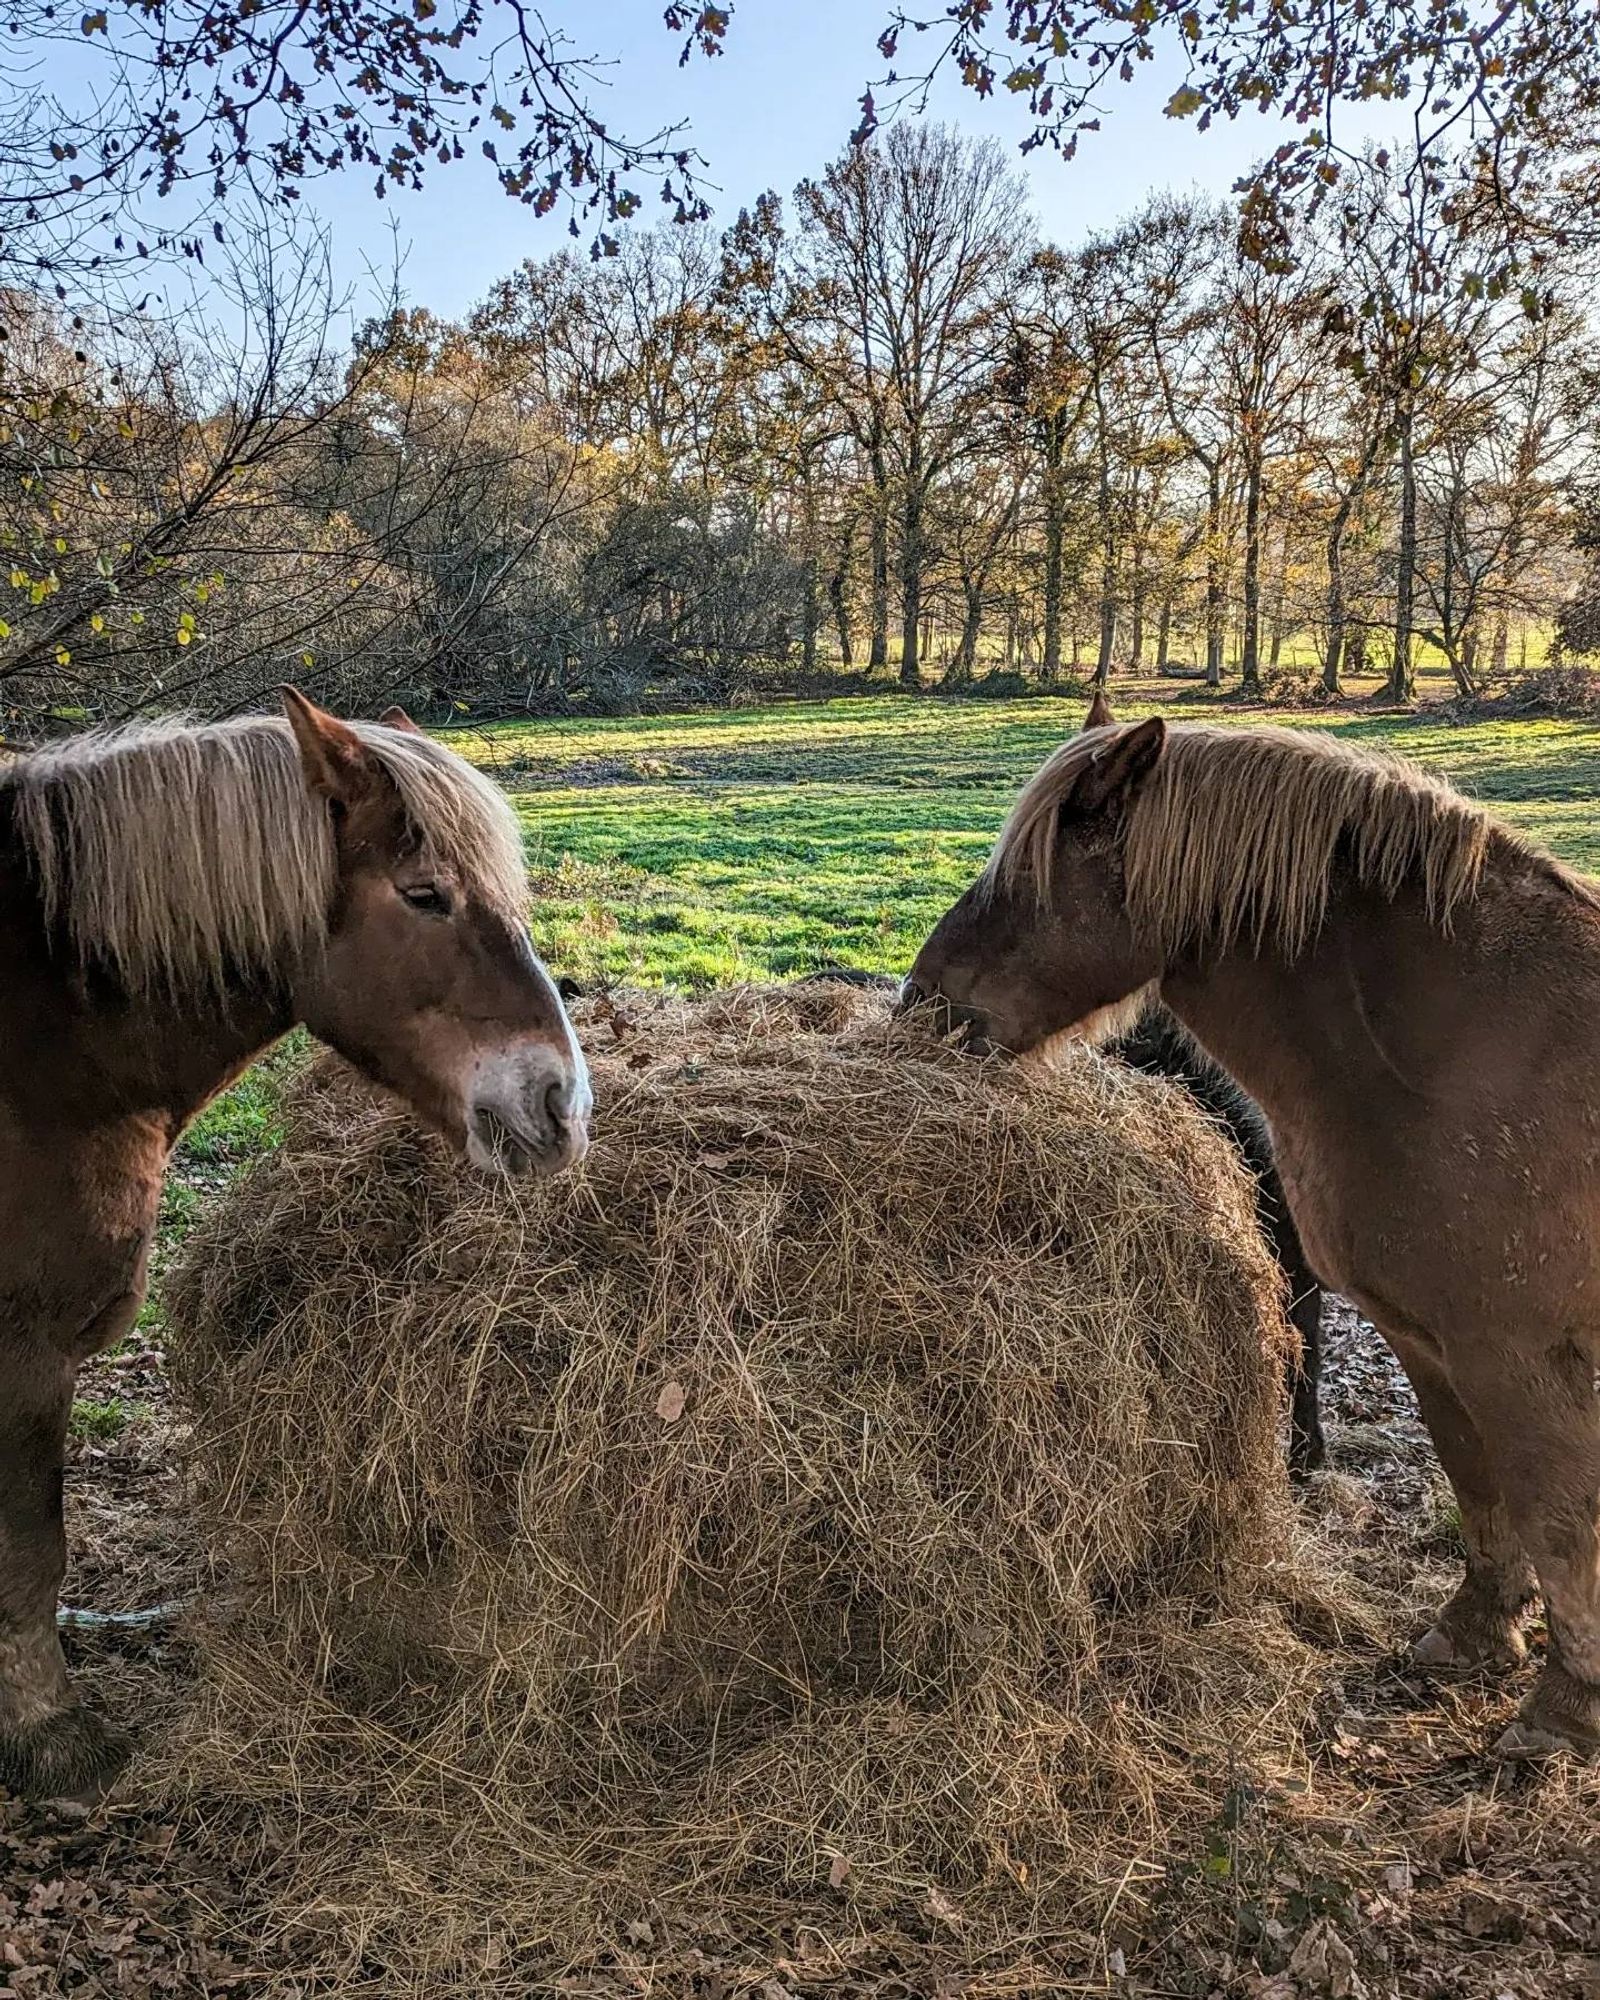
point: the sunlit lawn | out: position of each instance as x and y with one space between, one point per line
697 849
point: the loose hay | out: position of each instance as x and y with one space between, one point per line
854 1495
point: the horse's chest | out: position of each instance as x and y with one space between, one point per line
1454 1228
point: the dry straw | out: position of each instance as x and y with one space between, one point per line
854 1499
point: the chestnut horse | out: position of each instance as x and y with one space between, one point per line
172 900
1412 995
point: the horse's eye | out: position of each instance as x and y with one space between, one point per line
429 899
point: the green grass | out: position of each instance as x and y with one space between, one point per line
693 850
232 1131
243 1121
97 1421
697 850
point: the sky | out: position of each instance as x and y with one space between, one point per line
773 109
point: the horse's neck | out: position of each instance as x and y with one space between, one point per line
1366 1011
79 1054
1389 1012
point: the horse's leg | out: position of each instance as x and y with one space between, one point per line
1483 1620
51 1745
1541 1425
1307 1448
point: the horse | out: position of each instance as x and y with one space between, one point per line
1411 992
173 899
1158 1046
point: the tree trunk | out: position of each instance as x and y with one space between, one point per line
1467 676
1136 619
1333 659
1108 619
966 653
811 602
1214 572
1401 677
1164 635
1054 533
911 585
1250 647
839 597
878 656
1500 650
1136 591
1108 577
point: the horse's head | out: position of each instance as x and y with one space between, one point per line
1042 943
427 981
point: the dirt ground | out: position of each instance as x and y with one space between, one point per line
1414 1865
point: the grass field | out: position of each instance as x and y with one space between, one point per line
697 850
694 850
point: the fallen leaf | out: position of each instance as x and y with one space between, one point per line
1325 1966
839 1873
670 1403
640 1931
940 1906
1397 1879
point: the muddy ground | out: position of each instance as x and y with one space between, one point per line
1418 1866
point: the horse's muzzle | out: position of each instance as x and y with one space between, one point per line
948 1018
529 1115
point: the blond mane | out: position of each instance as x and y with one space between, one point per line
1235 834
176 854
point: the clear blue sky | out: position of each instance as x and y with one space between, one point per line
779 103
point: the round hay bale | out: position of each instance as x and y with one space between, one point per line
853 1494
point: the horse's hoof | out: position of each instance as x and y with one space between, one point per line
1441 1648
1435 1648
1561 1718
74 1755
1306 1456
1526 1742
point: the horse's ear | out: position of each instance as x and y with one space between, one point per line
333 757
1099 716
396 718
1111 778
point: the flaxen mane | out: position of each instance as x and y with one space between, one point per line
173 852
1235 833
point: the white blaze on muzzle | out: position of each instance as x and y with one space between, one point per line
529 1104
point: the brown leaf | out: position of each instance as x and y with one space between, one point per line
715 1159
839 1873
940 1906
670 1403
1324 1966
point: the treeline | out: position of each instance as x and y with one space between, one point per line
878 427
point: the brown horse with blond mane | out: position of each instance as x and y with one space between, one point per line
172 900
1412 995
